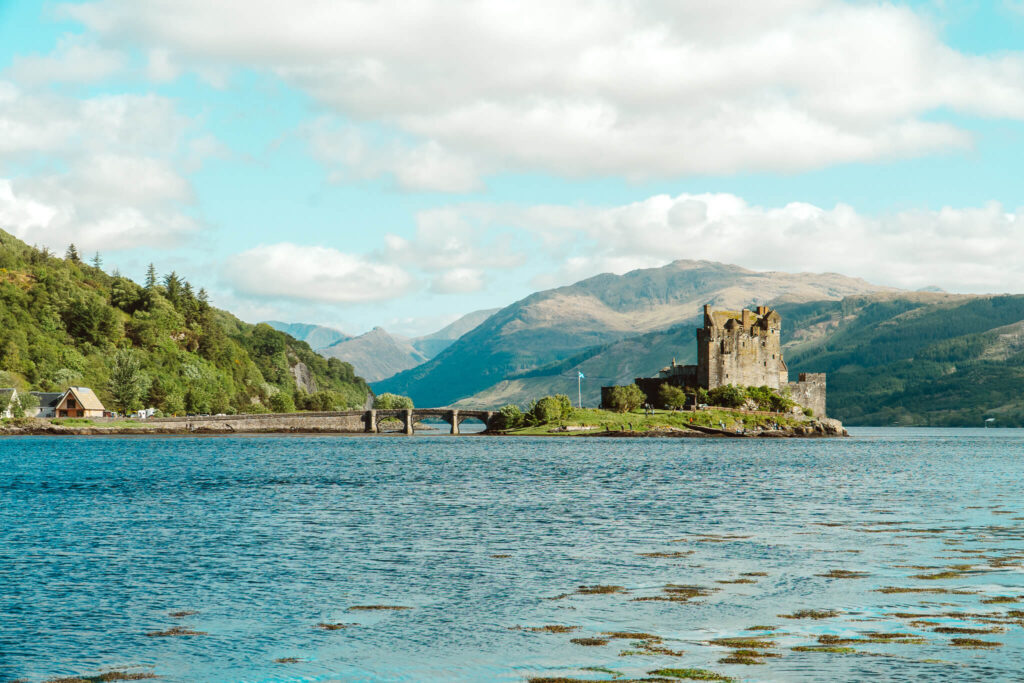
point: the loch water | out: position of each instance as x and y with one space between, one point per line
487 539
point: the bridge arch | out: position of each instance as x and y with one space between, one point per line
374 418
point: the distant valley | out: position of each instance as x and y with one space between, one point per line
378 354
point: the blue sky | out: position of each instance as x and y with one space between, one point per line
399 164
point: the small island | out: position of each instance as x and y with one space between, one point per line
739 387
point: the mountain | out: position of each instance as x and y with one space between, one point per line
892 358
915 359
379 354
550 326
317 336
376 354
63 322
432 344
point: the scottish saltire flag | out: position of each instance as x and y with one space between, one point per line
581 375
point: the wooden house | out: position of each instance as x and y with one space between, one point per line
79 402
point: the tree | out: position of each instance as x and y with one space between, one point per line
151 276
625 399
551 409
23 404
72 254
97 261
127 382
727 396
388 401
510 417
671 397
204 300
172 283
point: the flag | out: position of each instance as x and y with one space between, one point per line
581 375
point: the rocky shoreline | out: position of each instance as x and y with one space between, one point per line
823 428
826 428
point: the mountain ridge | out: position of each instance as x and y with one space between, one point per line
551 325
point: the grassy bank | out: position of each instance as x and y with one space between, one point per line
638 421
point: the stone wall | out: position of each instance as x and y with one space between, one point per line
298 422
809 392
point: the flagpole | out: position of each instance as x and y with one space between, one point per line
579 389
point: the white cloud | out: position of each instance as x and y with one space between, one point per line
73 61
138 180
974 249
596 88
101 172
450 238
160 68
313 273
427 166
54 213
458 281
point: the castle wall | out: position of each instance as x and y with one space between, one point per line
809 392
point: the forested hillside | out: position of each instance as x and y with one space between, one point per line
914 359
67 322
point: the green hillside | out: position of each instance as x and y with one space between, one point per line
925 359
618 362
64 322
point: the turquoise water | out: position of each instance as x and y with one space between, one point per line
101 540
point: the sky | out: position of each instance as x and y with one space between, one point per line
355 163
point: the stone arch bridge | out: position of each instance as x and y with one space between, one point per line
332 422
409 417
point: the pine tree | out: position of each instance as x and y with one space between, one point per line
97 261
173 285
72 254
151 276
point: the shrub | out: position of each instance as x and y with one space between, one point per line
388 401
625 399
551 409
282 402
510 417
671 397
727 396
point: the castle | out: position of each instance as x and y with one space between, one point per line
742 348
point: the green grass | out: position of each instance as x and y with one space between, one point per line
637 421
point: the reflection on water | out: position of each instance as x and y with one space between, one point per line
896 555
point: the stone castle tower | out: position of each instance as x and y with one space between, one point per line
741 348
